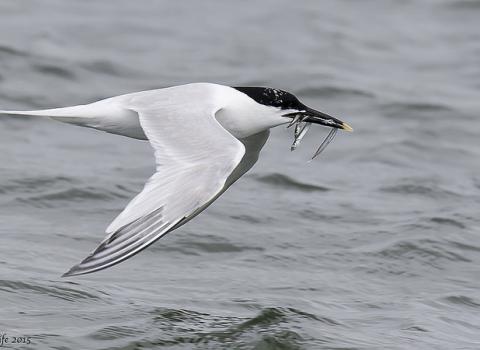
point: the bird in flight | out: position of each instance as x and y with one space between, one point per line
204 136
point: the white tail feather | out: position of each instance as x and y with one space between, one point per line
105 115
74 111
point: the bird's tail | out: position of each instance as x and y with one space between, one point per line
56 113
105 115
82 115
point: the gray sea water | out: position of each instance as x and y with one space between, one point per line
374 245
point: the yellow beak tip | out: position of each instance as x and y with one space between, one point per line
347 127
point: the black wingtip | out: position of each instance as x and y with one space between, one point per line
75 271
70 272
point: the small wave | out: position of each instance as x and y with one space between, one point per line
7 50
285 340
114 332
71 195
288 340
318 216
424 250
266 317
248 218
54 71
307 315
56 291
427 190
462 300
218 247
465 246
269 320
448 222
283 181
32 184
176 315
269 328
191 246
104 67
416 329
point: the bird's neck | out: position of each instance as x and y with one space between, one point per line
244 117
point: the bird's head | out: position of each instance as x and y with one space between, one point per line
294 112
291 108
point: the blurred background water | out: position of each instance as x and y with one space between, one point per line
375 245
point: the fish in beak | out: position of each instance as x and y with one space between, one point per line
308 116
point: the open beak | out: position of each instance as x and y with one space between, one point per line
316 117
307 116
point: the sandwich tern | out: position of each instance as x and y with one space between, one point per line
204 136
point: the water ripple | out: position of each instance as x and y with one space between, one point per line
194 246
8 50
390 260
269 326
115 332
463 300
33 184
425 250
71 195
56 71
425 190
283 181
105 67
54 290
448 222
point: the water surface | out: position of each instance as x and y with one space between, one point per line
374 245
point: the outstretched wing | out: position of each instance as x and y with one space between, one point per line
194 157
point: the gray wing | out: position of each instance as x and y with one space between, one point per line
194 157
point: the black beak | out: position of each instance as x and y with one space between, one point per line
316 117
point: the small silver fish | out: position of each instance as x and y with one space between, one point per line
325 142
294 120
301 129
300 132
